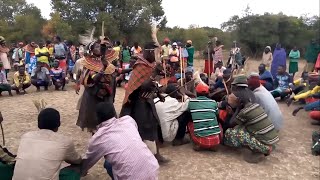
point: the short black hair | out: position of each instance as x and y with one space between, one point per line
262 65
58 38
150 45
105 111
49 118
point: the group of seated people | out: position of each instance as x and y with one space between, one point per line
41 76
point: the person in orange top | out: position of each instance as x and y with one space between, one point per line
136 49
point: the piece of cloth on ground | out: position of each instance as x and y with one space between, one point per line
204 142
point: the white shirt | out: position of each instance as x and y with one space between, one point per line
168 112
41 154
267 102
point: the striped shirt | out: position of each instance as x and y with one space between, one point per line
204 113
119 142
257 123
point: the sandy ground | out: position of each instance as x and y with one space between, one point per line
291 160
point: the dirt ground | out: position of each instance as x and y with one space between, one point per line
292 158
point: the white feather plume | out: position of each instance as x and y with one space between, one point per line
154 31
88 37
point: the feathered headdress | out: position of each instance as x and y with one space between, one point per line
40 104
87 38
154 31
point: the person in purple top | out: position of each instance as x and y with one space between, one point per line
279 59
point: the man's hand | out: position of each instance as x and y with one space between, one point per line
161 98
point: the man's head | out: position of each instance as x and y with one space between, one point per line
95 48
227 74
219 64
262 68
105 111
172 91
41 44
174 45
218 43
39 65
202 89
136 45
295 48
166 41
267 49
281 70
240 81
56 64
278 46
49 118
239 98
253 81
56 39
189 43
33 44
48 43
149 52
189 76
21 69
20 45
305 75
118 43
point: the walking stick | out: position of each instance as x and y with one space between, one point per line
3 140
181 73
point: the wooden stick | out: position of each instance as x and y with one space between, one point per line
3 140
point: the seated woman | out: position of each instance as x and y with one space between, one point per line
282 81
58 76
265 77
21 80
204 129
253 130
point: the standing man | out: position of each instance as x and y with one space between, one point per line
4 50
138 101
165 50
60 52
4 85
311 55
190 50
267 57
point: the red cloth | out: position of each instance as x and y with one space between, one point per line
208 70
204 142
223 115
315 115
63 64
317 65
311 100
142 70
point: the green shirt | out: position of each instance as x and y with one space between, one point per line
257 123
204 113
126 56
190 55
312 53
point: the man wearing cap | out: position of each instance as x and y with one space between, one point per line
165 50
267 57
190 50
174 55
41 153
266 100
204 128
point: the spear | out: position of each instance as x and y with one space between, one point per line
3 140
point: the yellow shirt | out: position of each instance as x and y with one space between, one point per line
25 79
51 51
43 59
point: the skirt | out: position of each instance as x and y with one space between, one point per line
208 70
204 142
293 67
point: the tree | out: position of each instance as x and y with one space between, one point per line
10 8
125 16
56 26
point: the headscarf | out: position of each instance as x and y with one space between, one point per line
254 80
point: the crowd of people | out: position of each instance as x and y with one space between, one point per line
165 100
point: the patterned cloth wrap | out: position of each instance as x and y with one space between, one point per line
142 70
205 142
